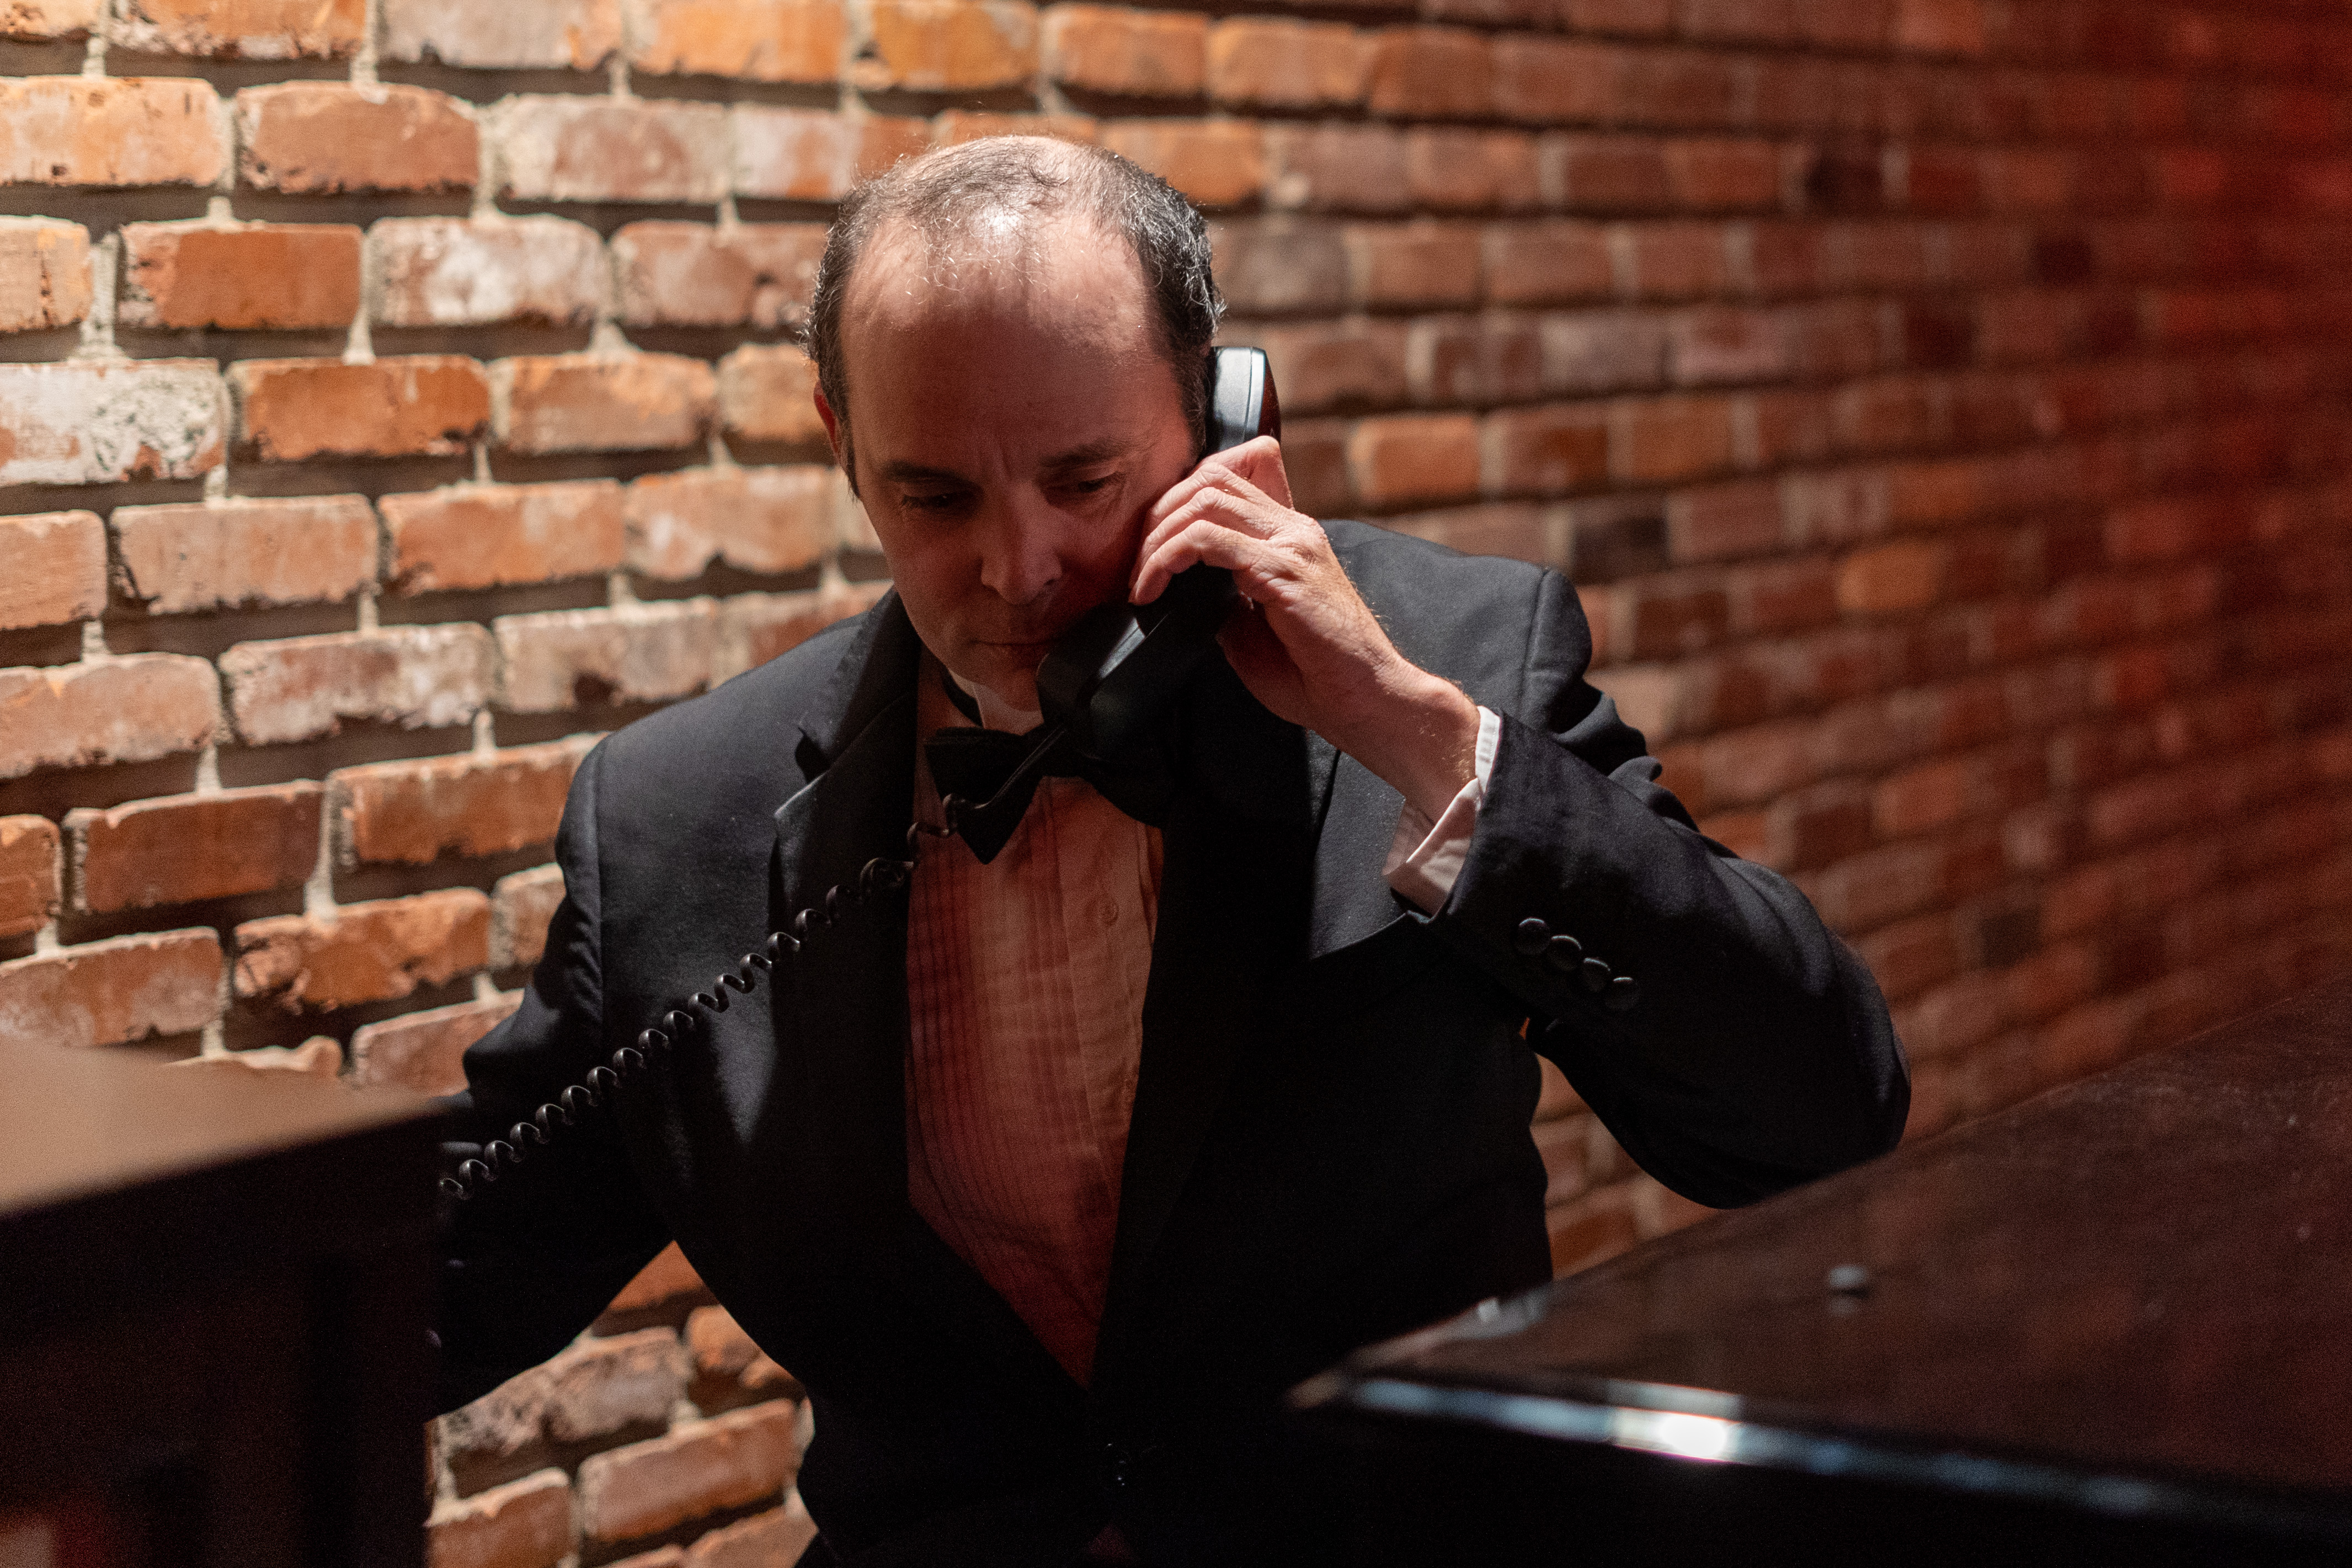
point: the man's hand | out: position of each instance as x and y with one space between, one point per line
1302 640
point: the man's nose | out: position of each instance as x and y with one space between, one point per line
1020 550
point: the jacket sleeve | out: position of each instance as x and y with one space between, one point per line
1728 1039
529 1259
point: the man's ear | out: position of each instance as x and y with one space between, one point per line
836 435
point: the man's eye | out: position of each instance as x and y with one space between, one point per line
932 500
1091 486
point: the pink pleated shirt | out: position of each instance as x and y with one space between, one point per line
1024 983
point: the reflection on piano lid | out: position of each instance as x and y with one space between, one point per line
2113 1323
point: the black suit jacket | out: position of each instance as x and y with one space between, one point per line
1330 1138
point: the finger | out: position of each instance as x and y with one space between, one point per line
1242 469
1257 518
1265 569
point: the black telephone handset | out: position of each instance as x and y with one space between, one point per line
1104 683
1118 666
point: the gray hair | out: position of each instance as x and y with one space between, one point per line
944 195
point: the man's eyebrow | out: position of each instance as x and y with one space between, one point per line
1100 451
916 473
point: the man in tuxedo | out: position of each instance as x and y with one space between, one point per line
1047 1164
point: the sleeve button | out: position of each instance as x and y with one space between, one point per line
1595 975
1622 995
1530 938
1563 953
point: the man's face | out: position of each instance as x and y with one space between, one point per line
1011 425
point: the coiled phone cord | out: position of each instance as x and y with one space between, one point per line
881 874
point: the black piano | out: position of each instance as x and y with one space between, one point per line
2113 1324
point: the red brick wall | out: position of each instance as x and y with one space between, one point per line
1941 404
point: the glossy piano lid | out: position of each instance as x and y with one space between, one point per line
2121 1293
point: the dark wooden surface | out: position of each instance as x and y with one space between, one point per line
214 1289
2147 1275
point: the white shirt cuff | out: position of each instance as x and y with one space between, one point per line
1425 857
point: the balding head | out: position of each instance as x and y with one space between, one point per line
983 213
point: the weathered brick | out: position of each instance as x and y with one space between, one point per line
110 131
1403 459
415 405
521 904
1720 174
322 137
637 653
98 422
1335 168
600 402
1429 73
1544 451
812 155
485 536
1897 578
1555 262
574 35
475 803
1476 360
1450 170
1267 62
294 550
572 149
43 274
1670 439
39 21
297 688
594 1389
951 45
1939 26
701 1466
1216 162
522 1524
764 395
952 126
243 29
424 1051
1604 174
1417 263
1721 522
29 873
725 1355
761 520
128 710
693 275
1720 344
56 569
752 40
759 627
1326 367
668 1278
485 271
1279 267
1134 54
1553 81
377 952
1516 529
246 276
112 993
779 1535
180 849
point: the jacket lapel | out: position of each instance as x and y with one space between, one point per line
1233 891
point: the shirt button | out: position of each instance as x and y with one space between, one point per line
1564 954
1530 938
1622 995
1595 975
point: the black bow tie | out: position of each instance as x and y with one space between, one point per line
976 765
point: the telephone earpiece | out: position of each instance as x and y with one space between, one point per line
1113 672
